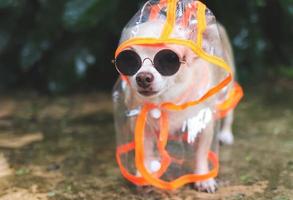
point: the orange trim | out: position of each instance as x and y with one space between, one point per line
171 106
140 127
201 23
132 178
234 96
123 149
170 21
162 142
139 156
140 181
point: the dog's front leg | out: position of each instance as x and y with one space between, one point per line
202 147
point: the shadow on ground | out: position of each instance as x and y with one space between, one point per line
74 158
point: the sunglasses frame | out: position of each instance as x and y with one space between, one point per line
141 61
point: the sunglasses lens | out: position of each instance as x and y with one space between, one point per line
128 62
167 62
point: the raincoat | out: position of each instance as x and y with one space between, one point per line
185 23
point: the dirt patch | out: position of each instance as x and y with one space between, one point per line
23 194
228 192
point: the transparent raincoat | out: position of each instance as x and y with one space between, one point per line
190 24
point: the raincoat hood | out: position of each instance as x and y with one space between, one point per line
187 23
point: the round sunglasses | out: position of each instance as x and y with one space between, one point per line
166 62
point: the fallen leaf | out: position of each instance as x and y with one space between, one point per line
13 141
5 170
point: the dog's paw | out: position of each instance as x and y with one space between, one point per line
209 186
226 137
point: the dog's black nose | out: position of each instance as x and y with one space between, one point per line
144 79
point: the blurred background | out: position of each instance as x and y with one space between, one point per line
57 137
67 45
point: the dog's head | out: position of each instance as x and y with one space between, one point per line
150 84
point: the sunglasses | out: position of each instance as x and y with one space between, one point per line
166 62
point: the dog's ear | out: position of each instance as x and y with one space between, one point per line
211 40
211 37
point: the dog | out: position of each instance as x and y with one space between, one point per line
191 81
